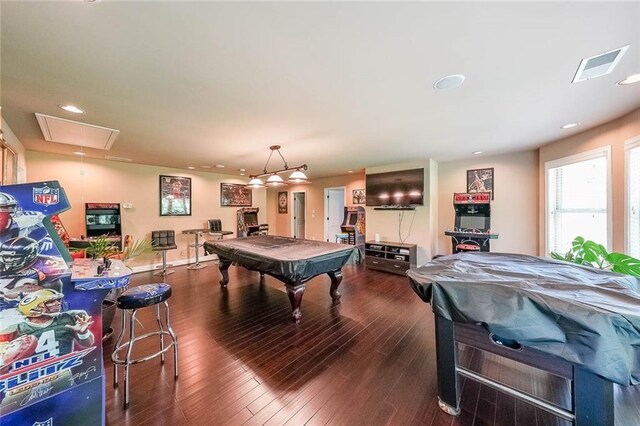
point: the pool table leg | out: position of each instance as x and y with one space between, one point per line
295 297
592 398
336 279
224 270
448 386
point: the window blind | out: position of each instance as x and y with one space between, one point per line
577 201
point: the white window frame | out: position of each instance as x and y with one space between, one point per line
604 151
628 146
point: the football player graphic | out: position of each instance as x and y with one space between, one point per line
23 269
15 222
55 331
45 333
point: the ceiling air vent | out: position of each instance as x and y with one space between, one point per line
599 65
61 130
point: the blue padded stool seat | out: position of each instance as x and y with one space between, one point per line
143 296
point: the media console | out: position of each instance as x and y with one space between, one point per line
392 257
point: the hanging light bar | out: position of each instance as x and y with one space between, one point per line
274 179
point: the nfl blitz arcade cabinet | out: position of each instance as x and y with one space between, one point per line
51 370
472 230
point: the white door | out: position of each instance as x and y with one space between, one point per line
299 213
334 212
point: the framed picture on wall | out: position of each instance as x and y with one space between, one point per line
175 196
283 202
358 196
235 195
480 180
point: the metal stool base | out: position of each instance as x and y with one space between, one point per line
197 266
127 361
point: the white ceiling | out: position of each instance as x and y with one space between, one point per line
340 85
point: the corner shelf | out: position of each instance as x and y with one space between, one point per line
392 257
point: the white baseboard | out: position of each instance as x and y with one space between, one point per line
173 263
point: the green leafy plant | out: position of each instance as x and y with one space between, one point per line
587 252
101 247
136 248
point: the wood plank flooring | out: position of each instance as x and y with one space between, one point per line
368 361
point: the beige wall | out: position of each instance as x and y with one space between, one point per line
514 212
517 211
280 223
116 182
614 133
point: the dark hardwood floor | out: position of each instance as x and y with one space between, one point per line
368 361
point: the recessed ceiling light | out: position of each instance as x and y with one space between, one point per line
190 167
205 167
569 126
629 80
449 82
71 108
349 171
241 170
79 153
241 174
219 166
477 152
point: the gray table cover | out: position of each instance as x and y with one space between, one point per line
289 259
584 315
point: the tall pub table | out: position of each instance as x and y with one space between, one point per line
197 233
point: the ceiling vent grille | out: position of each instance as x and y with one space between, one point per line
69 132
599 65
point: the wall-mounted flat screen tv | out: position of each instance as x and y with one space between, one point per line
402 188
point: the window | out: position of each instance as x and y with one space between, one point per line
632 151
578 199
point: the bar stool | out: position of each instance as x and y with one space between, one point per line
215 229
163 240
132 300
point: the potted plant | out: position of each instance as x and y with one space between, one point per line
587 252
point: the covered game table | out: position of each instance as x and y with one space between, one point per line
575 321
292 261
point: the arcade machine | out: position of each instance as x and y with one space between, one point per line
472 230
353 226
104 219
248 223
51 370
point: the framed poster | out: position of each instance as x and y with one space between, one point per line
480 180
283 200
235 195
175 196
359 196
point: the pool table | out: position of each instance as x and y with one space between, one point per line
290 260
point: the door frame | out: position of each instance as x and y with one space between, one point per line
326 209
292 203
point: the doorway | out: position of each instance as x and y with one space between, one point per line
333 212
298 224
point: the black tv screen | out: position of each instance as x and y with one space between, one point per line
399 188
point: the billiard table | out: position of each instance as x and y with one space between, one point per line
293 261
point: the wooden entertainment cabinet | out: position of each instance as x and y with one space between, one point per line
386 256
